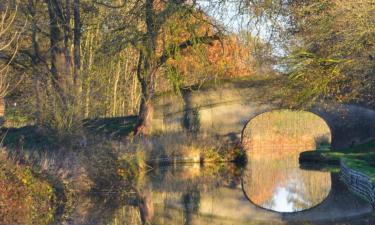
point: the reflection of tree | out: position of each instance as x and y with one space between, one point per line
191 202
112 209
126 215
262 177
146 206
315 186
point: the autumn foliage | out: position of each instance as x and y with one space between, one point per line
226 58
229 57
24 198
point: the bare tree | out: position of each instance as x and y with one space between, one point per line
9 39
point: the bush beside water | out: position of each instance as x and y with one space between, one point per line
25 198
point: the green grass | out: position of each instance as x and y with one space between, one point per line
360 158
362 162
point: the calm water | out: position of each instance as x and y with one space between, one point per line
195 194
278 183
271 189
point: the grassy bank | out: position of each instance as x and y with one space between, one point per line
360 158
108 161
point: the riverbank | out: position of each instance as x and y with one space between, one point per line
357 166
360 158
103 157
26 197
105 163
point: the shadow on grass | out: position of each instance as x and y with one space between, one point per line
30 137
26 137
115 127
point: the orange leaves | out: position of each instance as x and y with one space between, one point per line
229 57
226 58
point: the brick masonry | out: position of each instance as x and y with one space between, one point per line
358 183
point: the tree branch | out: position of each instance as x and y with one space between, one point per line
173 49
110 6
171 8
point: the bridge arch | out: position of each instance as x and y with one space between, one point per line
316 121
224 112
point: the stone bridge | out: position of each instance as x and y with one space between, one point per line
224 111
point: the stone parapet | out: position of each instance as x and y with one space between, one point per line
358 182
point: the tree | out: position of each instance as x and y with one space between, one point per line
144 24
332 56
150 61
63 69
9 38
88 59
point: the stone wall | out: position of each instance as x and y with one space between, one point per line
225 110
358 183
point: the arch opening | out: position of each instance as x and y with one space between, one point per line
273 178
301 130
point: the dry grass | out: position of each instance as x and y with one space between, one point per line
177 146
287 130
24 197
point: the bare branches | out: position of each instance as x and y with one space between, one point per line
110 6
10 43
171 8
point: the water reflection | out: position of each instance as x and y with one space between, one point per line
277 183
193 194
273 142
198 195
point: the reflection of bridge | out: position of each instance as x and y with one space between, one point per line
227 204
339 204
224 112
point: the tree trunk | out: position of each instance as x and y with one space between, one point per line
35 60
117 78
56 53
88 70
146 110
146 113
77 41
146 72
2 111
